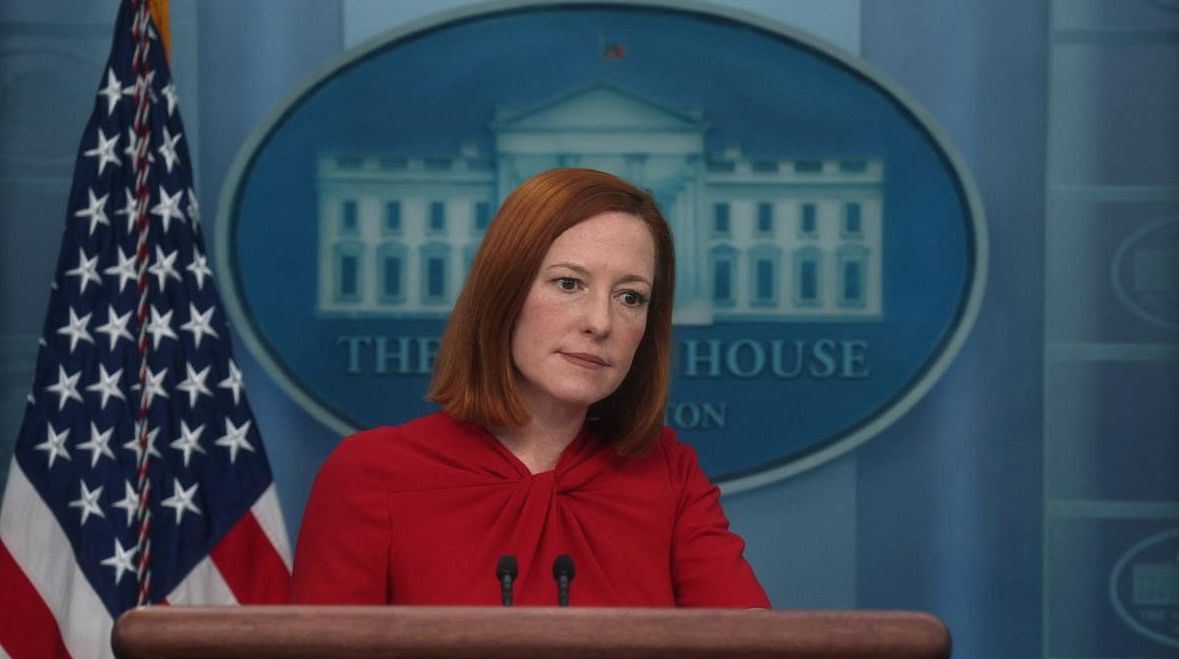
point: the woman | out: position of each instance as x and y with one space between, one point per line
553 376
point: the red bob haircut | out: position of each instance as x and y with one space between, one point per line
475 379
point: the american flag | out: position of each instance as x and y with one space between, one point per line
139 475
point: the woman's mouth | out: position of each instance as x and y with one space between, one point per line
585 360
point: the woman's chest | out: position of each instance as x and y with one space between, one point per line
445 544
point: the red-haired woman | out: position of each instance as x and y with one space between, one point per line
552 376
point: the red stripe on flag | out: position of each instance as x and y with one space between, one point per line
250 565
27 626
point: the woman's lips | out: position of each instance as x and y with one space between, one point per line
584 360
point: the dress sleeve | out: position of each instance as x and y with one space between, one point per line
342 553
708 565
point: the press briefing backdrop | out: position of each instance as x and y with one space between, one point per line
1030 497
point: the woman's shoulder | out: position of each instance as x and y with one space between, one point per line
382 439
670 455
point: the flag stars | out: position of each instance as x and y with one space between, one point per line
132 150
169 93
134 446
143 84
129 210
168 207
95 210
54 444
76 329
189 441
86 271
233 382
164 268
121 560
112 91
129 503
104 151
199 268
115 328
107 386
194 210
199 324
160 326
99 444
155 385
167 149
66 388
125 270
234 439
181 499
88 502
194 384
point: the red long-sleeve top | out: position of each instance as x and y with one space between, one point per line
421 513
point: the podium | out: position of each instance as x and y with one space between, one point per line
354 632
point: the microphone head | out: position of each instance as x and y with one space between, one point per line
506 567
563 567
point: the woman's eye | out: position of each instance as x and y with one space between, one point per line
567 283
633 298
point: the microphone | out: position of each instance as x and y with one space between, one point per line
563 573
505 572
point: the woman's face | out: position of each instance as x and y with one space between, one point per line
585 313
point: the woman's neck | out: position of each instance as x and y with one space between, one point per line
539 443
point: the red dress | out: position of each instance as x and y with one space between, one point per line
421 513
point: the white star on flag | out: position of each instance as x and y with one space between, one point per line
121 560
76 329
86 271
181 499
112 92
98 444
169 93
167 149
129 502
125 270
155 385
160 326
194 210
107 386
95 211
234 439
115 327
163 268
66 387
233 382
199 324
194 384
133 445
189 441
133 146
168 208
104 151
199 268
54 444
88 502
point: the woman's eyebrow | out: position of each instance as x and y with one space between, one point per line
581 270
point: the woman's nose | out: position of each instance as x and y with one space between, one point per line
596 319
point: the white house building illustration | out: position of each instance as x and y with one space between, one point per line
757 239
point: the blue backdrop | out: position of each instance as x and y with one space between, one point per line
1013 500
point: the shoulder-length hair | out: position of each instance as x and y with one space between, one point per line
475 379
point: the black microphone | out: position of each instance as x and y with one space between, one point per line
505 573
563 573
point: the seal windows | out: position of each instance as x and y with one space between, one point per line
807 281
347 261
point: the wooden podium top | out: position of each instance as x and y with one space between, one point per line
346 632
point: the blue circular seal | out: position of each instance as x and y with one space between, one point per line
831 245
